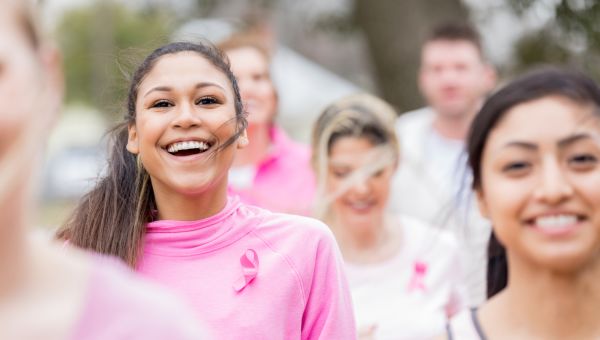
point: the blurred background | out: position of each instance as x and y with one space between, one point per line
322 50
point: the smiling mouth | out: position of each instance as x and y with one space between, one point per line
556 222
188 148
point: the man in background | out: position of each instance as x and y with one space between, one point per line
432 182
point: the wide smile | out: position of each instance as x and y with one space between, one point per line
556 224
361 206
188 147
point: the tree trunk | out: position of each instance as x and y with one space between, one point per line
395 30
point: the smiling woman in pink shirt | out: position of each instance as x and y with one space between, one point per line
272 172
163 208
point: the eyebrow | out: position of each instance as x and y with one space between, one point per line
561 143
167 88
574 138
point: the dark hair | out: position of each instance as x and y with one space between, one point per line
543 82
455 31
111 218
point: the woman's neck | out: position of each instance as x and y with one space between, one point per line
370 242
545 304
179 207
260 141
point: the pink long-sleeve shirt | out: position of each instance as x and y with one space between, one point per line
283 181
253 274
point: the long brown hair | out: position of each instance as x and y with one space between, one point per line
111 218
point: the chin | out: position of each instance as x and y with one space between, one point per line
568 263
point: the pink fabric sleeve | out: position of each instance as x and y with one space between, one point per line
328 313
119 305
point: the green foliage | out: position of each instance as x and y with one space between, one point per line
96 42
571 38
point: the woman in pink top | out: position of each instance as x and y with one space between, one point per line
163 208
534 149
404 276
47 292
272 172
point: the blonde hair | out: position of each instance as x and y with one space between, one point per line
361 116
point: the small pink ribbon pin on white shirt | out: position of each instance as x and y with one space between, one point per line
417 282
249 262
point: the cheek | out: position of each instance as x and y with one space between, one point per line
504 199
588 186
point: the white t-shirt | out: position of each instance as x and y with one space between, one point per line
410 295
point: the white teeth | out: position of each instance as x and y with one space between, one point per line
360 205
188 145
556 221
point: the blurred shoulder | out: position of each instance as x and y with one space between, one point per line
294 226
116 293
422 116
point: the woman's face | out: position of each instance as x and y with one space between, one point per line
251 70
541 183
367 188
184 111
20 83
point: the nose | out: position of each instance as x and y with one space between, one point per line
186 117
361 186
554 186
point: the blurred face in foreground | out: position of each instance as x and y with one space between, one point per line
30 88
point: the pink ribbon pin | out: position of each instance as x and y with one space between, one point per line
249 262
417 282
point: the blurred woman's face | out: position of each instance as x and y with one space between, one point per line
20 81
365 191
251 69
541 183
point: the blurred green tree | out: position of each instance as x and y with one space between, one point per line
100 44
571 38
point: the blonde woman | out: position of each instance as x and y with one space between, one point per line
403 275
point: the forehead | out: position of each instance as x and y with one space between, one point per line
247 59
436 51
349 149
184 69
547 119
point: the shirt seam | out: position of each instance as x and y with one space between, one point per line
288 261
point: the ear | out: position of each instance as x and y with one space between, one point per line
132 140
490 77
243 140
482 204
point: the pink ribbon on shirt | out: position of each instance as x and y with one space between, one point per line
417 282
249 262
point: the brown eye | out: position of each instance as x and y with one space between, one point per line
161 104
516 168
583 161
207 101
